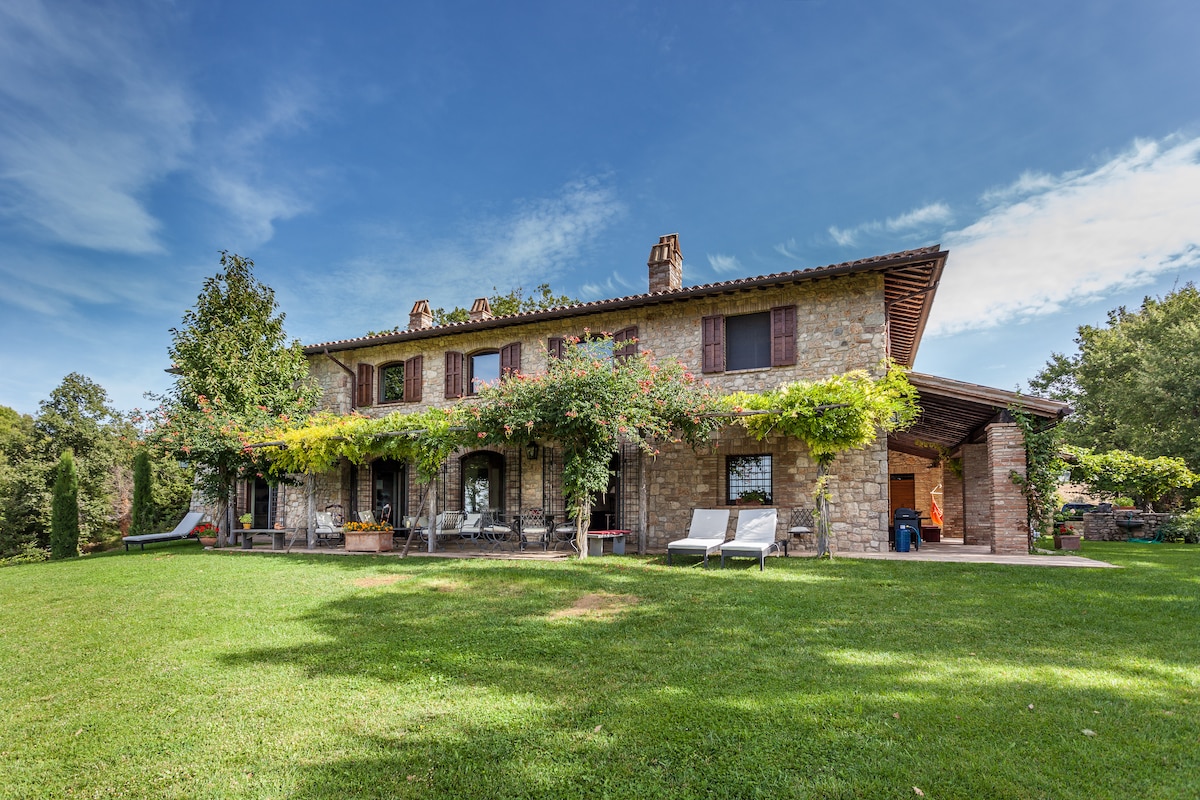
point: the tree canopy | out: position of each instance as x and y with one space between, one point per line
1134 382
236 371
589 402
515 301
1121 474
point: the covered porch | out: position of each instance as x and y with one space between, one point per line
960 455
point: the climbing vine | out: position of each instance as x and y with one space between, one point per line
843 412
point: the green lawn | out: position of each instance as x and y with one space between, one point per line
181 673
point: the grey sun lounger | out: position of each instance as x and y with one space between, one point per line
182 531
755 536
705 535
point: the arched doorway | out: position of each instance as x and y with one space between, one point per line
482 487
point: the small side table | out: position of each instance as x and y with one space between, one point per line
596 542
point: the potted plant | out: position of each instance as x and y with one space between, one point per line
247 520
1064 537
753 497
367 537
206 532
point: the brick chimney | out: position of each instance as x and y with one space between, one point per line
420 317
666 265
481 310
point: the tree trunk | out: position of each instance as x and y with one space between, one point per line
223 512
581 526
822 509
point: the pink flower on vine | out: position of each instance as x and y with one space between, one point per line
481 435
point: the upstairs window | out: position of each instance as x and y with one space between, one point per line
484 368
391 383
401 382
749 341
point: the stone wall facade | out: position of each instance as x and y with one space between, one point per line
841 326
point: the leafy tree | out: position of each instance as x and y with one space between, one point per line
589 404
236 371
1134 383
18 525
78 416
840 413
512 302
64 519
1118 473
141 517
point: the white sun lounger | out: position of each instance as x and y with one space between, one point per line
705 535
755 536
182 531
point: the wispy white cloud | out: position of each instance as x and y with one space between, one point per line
94 115
723 263
915 221
538 241
1047 241
789 249
86 125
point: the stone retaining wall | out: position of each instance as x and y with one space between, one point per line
1101 526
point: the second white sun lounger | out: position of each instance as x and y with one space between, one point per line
755 536
705 535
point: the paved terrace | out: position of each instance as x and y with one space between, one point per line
949 551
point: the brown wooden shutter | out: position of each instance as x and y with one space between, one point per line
630 346
454 375
712 336
510 359
366 385
783 336
556 347
413 378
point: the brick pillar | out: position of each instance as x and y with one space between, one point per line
977 495
1010 514
952 504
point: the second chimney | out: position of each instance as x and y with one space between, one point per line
481 310
420 317
666 265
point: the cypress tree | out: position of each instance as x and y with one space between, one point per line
141 516
64 511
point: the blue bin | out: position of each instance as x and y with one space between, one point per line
903 538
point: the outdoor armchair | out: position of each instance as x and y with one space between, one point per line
534 530
755 536
705 535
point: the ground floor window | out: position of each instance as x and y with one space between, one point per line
482 482
749 478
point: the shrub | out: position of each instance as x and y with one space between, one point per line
30 554
141 516
64 510
1184 526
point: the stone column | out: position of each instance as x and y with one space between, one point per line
977 495
1010 514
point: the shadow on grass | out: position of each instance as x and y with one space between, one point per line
827 678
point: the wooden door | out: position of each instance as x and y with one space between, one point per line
902 493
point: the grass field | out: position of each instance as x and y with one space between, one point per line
182 673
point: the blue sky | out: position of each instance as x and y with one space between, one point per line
367 155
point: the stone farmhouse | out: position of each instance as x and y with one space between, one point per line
749 334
